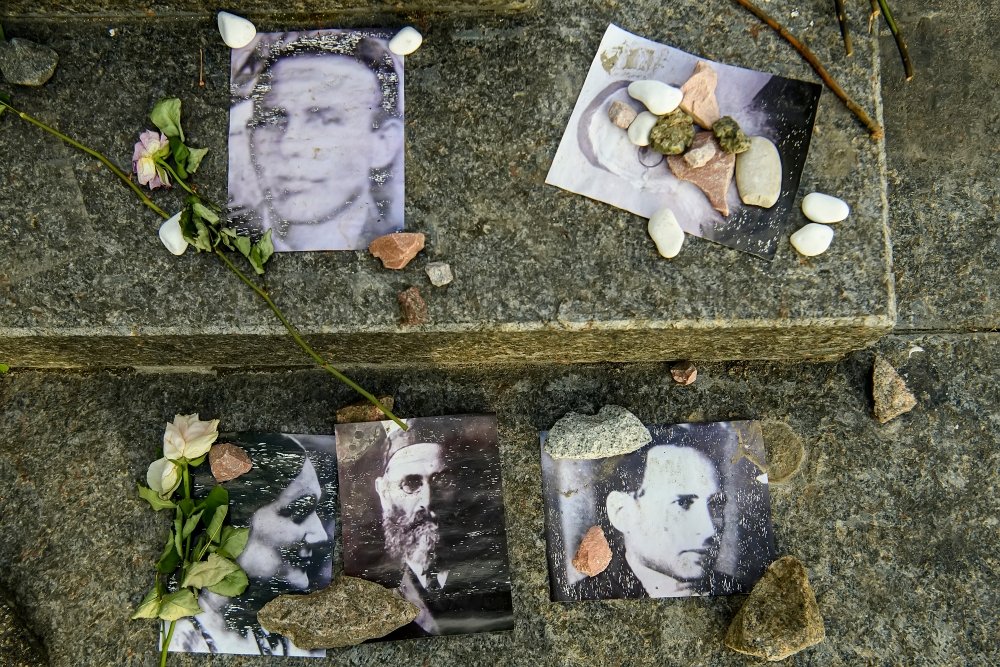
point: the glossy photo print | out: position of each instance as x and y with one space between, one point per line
288 500
316 139
689 514
596 159
422 513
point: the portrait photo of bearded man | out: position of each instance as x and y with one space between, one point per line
422 513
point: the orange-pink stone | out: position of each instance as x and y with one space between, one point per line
594 553
713 178
396 250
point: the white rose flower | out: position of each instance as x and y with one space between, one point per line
163 476
189 437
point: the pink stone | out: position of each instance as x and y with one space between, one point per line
699 95
412 307
713 178
228 461
594 553
396 250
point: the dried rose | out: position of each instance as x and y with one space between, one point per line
151 145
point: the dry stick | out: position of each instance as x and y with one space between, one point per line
904 53
874 128
844 31
875 13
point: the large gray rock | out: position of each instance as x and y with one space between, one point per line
18 646
612 431
27 64
347 612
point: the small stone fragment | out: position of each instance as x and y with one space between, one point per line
412 307
172 237
780 616
666 233
713 178
236 31
345 613
594 553
813 239
684 372
612 431
638 131
439 273
406 41
397 249
672 134
658 97
621 114
25 63
819 207
785 450
363 411
700 156
729 135
699 95
18 645
758 173
228 461
892 397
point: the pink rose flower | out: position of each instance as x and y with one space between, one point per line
151 145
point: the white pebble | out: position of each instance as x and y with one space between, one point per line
658 97
439 273
758 173
819 207
666 233
236 31
812 240
638 131
171 236
406 41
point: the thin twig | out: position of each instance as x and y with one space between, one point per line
874 128
201 68
904 53
875 13
844 30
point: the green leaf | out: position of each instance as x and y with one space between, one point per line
217 497
154 499
178 526
214 530
243 244
186 506
150 605
232 584
181 154
209 572
191 524
205 212
5 98
166 115
203 238
4 368
196 155
179 605
266 247
169 559
233 541
198 461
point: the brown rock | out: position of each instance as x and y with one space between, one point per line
892 398
621 114
699 95
363 411
594 553
412 307
684 372
780 617
396 250
228 461
713 178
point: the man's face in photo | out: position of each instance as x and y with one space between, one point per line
313 140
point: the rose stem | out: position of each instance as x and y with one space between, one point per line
166 644
904 53
296 336
874 128
844 30
176 177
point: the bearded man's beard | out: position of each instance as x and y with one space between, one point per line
414 539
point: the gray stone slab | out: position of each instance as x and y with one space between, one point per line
943 133
540 274
896 523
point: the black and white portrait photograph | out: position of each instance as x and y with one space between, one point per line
596 159
422 512
288 501
316 139
689 514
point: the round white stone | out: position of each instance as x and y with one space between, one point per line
171 236
638 131
666 233
236 31
406 41
658 97
812 240
819 207
758 173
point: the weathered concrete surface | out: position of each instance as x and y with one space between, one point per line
541 274
896 523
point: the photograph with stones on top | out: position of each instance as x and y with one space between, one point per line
596 159
688 514
422 512
316 139
288 500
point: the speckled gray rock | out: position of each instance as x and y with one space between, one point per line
24 63
612 431
347 612
889 392
18 646
254 8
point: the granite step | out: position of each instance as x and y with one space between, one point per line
541 275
